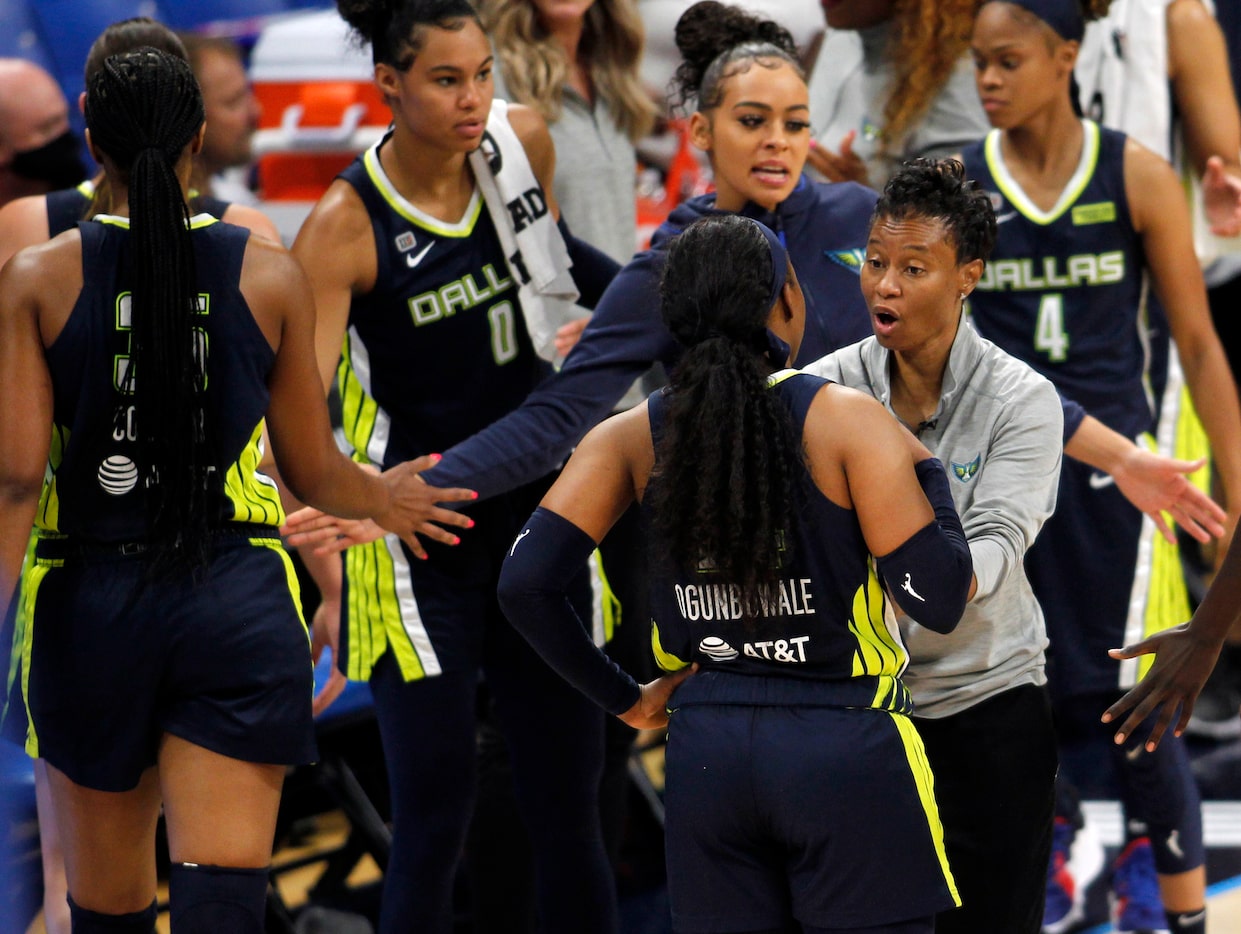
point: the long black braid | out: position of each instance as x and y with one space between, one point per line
722 496
143 108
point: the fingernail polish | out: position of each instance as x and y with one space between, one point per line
470 524
456 540
437 457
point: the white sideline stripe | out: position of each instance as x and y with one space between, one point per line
1221 822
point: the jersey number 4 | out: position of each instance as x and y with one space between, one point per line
1050 337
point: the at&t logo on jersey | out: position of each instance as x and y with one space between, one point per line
118 475
779 650
791 651
717 649
965 472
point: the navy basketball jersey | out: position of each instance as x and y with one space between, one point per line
1065 289
827 618
438 349
69 205
94 490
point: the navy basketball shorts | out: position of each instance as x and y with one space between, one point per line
823 816
114 662
435 615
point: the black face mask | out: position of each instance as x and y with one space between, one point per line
57 162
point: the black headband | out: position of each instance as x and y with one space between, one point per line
1064 16
779 262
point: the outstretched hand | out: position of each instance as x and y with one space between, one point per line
413 510
651 710
1158 484
1182 663
1221 198
844 166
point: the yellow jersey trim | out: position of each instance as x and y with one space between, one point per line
920 768
379 178
1072 191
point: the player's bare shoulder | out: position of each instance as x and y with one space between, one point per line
46 279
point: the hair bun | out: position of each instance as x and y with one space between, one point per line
708 29
367 17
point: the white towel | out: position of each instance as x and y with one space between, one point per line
537 257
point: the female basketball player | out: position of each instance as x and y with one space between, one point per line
31 220
767 491
405 255
1084 214
166 662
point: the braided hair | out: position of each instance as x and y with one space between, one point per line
143 108
124 36
392 26
722 495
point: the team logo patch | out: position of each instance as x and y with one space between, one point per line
997 200
717 649
965 472
850 259
118 475
406 241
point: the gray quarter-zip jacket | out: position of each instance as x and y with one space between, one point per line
998 430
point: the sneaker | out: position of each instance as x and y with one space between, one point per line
1136 905
1076 859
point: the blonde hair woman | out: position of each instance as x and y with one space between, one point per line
577 65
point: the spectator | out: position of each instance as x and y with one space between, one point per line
221 168
892 82
38 151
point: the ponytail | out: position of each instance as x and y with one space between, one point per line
143 109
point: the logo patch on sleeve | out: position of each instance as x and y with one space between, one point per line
850 259
965 472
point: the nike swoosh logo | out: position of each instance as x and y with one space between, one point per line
1132 754
1190 920
1099 481
412 261
1006 216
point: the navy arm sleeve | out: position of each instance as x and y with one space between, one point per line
929 574
549 551
624 337
1074 415
593 270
